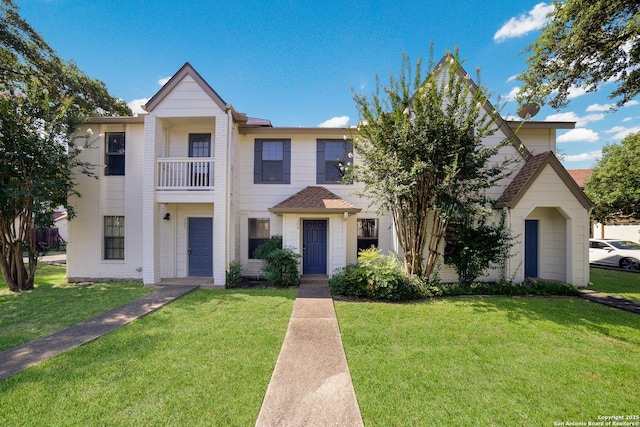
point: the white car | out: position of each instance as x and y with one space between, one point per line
615 253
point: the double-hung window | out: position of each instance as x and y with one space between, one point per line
272 161
367 233
331 158
113 237
258 233
114 154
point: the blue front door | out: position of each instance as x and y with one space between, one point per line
314 247
200 247
531 248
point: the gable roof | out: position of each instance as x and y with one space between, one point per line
488 107
186 70
314 199
530 172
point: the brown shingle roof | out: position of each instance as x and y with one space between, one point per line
529 173
314 199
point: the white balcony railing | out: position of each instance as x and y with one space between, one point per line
188 173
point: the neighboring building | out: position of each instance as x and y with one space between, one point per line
624 229
194 184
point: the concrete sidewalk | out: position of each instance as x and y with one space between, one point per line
311 384
19 358
610 300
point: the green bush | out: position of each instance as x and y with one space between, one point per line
528 287
232 276
375 276
280 266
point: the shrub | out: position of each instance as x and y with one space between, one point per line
232 277
280 266
528 287
477 246
375 276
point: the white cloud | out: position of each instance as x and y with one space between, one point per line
335 122
620 131
591 155
579 135
570 116
627 119
511 96
599 107
575 92
136 105
631 103
513 78
164 80
524 23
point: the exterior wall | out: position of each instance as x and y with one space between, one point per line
187 99
107 195
538 140
254 201
174 237
564 231
617 231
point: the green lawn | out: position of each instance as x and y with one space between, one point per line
619 283
55 304
491 361
205 359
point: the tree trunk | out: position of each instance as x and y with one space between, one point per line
14 272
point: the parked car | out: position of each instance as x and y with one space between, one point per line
615 253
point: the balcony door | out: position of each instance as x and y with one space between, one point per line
200 146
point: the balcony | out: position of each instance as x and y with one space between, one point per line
185 174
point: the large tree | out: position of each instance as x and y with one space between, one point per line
42 100
585 44
421 151
614 185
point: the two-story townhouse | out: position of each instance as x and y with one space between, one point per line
193 185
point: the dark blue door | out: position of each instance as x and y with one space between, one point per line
200 247
314 247
531 248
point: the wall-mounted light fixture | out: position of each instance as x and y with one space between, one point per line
167 216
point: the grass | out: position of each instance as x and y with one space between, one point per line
491 361
622 284
205 359
55 304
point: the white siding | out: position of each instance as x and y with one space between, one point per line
107 195
564 231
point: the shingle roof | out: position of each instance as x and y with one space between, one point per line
529 173
314 199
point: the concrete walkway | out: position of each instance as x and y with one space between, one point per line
606 299
311 384
19 358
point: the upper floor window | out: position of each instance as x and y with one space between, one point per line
331 157
367 233
258 233
114 154
272 161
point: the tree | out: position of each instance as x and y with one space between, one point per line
585 44
42 100
614 185
479 243
422 157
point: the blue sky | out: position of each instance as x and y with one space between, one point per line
298 63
